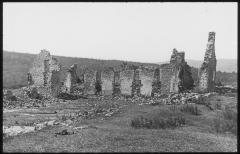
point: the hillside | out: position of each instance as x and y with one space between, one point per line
223 65
16 65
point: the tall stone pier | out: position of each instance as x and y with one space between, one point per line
207 72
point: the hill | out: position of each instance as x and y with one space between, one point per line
16 65
223 65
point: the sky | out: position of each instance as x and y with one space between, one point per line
141 32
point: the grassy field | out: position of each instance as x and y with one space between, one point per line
115 134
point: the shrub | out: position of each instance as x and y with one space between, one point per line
218 106
192 109
158 122
174 108
225 121
64 118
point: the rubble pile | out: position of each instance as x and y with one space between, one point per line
33 93
8 95
225 89
188 97
27 97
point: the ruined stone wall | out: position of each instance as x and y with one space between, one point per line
126 78
147 78
116 84
123 79
71 79
156 84
107 82
174 83
207 72
166 77
42 68
55 83
137 83
98 83
89 81
176 76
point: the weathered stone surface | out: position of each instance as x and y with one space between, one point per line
136 84
126 77
29 78
72 79
98 83
89 82
107 82
55 83
166 73
156 84
177 57
43 66
207 72
146 77
176 76
116 84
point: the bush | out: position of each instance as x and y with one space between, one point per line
158 122
225 121
218 106
186 108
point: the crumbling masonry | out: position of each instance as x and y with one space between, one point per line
176 76
44 72
207 72
173 77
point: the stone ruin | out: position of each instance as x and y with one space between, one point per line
45 72
207 72
173 77
176 76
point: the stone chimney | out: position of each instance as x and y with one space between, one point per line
207 73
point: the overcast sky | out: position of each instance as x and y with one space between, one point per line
143 32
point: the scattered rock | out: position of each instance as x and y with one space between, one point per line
65 132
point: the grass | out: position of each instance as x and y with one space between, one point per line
116 134
225 121
186 108
157 122
190 108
